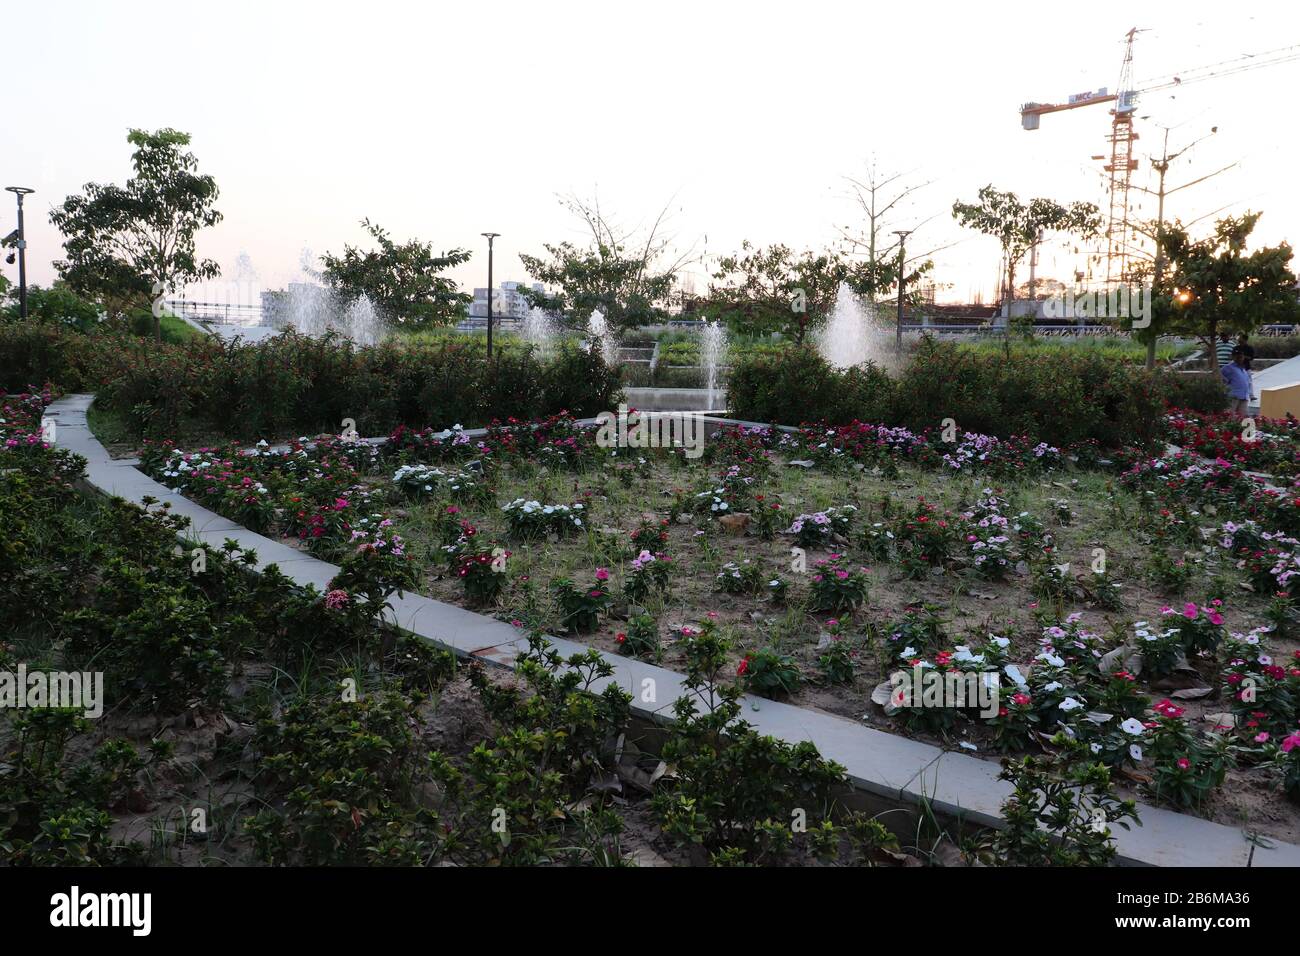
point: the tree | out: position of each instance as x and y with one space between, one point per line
127 243
882 196
773 289
403 282
58 305
628 277
1213 286
1018 227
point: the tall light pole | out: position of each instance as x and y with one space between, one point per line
20 192
902 235
490 236
1161 166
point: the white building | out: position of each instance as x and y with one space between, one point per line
508 303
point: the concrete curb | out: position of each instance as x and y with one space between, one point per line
894 768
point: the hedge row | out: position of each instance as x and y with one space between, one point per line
297 385
1054 397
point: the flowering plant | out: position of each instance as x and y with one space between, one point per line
812 530
641 638
480 567
646 574
582 607
1185 770
769 674
924 539
529 520
743 577
837 586
1200 628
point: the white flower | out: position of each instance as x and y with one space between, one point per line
1070 704
1135 752
1095 747
1133 726
1054 685
908 651
1001 642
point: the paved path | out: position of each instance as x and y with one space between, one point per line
899 770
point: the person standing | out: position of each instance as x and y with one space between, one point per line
1241 387
1247 349
1223 351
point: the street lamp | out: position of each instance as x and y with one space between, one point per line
489 236
20 192
902 235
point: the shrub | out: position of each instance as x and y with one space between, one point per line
1198 391
1055 397
798 385
291 384
1060 811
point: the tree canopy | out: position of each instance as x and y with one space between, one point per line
404 282
1019 226
626 274
124 242
1212 285
774 289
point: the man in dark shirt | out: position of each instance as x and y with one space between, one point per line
1246 349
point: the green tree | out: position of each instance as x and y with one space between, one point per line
1213 285
124 242
629 277
404 282
1018 226
57 304
773 289
884 198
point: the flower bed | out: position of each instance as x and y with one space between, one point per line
822 632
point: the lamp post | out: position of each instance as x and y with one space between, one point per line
20 192
902 235
490 236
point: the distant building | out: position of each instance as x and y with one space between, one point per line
275 303
509 303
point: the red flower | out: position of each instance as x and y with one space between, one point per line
743 668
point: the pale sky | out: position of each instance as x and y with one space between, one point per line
442 121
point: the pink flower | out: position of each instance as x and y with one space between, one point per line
602 574
1183 763
1290 743
1189 611
336 599
1261 738
1215 618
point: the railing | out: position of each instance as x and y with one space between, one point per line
216 313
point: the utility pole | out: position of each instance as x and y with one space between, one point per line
20 192
902 235
1161 166
490 296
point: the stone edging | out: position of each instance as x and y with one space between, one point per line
895 768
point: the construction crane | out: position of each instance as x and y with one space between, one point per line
1122 135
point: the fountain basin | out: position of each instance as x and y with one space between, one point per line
676 399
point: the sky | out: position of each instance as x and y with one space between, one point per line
442 121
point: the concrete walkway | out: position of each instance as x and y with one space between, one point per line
1275 376
892 767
